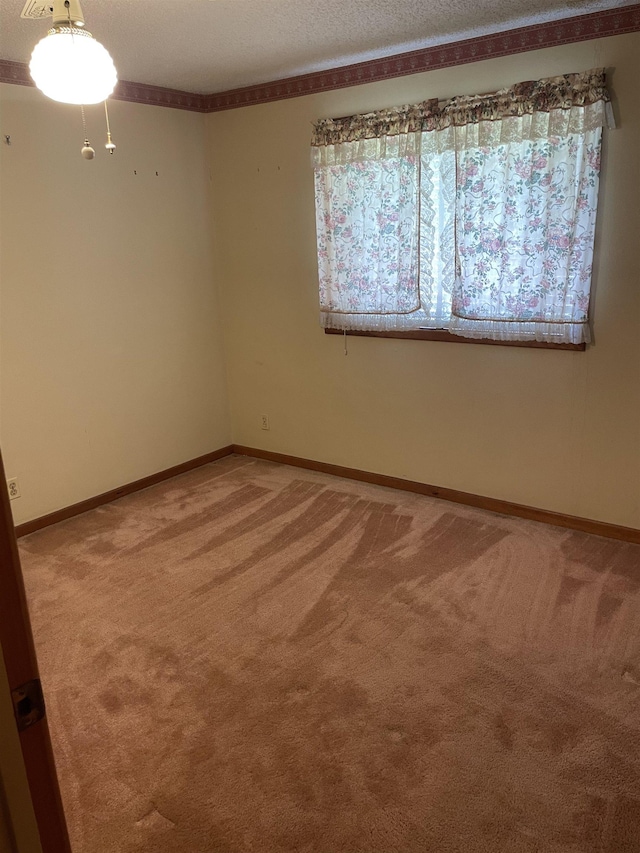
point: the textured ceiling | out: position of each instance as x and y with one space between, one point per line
215 45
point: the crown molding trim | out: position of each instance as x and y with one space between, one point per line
15 72
535 37
158 96
137 93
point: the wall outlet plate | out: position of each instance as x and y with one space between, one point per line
13 487
264 422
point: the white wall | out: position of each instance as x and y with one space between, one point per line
556 430
111 364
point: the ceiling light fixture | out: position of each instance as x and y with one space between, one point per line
68 64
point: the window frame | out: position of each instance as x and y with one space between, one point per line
443 336
535 97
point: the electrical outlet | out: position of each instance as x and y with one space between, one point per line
13 488
264 422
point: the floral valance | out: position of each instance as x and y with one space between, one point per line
388 122
553 93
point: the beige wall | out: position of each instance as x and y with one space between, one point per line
111 362
557 430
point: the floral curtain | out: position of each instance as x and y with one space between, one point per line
527 191
367 214
476 215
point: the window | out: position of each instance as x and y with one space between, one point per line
476 216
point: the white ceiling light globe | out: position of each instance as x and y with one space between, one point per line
70 66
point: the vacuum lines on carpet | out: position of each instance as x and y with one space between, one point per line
254 659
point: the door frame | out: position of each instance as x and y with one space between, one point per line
18 650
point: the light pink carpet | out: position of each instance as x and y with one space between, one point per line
256 659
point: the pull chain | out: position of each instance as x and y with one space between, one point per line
87 151
110 146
